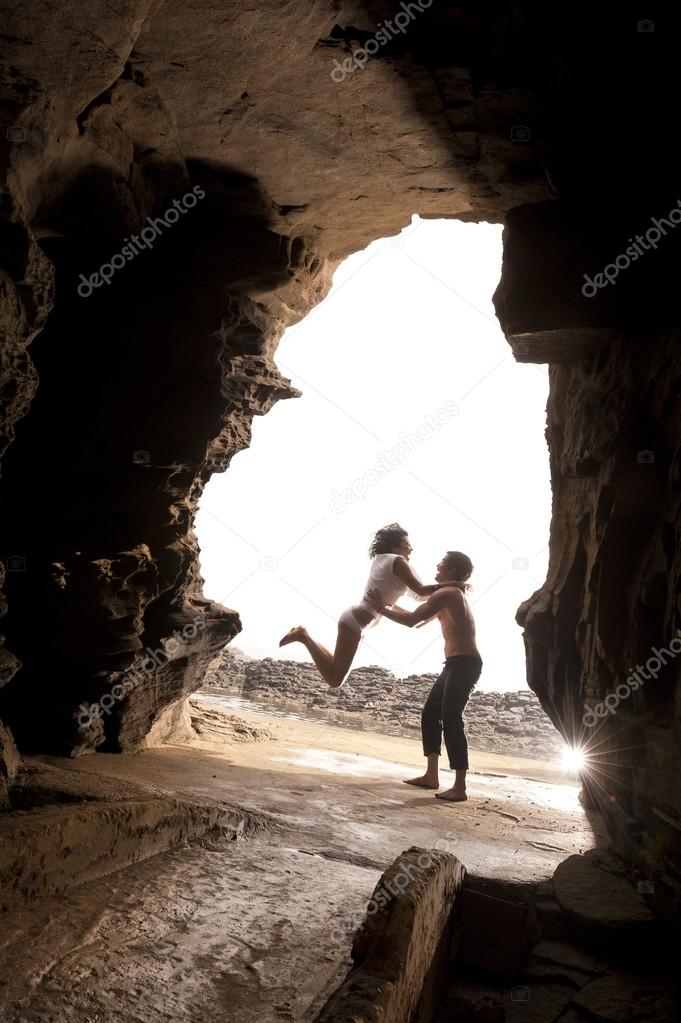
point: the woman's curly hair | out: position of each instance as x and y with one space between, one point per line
387 539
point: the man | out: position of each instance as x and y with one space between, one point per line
443 709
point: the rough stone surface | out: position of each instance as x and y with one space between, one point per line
217 726
602 904
9 764
503 112
246 932
608 602
66 829
565 956
608 998
374 697
173 726
508 967
200 932
395 948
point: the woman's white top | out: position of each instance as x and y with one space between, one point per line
382 577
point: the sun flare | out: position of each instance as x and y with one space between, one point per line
574 759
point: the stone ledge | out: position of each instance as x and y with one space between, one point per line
82 833
563 346
401 948
601 905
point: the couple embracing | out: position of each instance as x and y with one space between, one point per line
390 577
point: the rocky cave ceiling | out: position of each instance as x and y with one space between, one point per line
117 405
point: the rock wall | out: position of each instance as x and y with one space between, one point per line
373 697
601 634
136 390
9 764
149 381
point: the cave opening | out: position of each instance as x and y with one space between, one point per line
412 409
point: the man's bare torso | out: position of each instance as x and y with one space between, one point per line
458 626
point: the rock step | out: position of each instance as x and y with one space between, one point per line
79 830
602 906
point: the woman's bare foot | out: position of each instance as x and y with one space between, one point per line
294 635
452 795
422 782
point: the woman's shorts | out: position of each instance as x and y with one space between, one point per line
348 618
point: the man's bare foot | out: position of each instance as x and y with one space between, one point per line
452 795
422 782
294 635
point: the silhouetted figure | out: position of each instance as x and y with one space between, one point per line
443 709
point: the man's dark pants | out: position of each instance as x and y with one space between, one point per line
443 709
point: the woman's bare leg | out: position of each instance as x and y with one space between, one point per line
332 667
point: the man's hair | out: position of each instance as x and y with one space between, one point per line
387 539
461 565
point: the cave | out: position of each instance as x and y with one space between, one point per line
179 187
379 435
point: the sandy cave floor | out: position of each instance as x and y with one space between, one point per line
248 931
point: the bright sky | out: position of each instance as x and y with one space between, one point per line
406 339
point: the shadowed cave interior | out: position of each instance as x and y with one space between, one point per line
118 405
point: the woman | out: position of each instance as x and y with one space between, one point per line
391 575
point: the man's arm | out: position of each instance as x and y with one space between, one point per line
406 574
409 618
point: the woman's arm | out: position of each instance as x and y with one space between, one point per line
405 574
